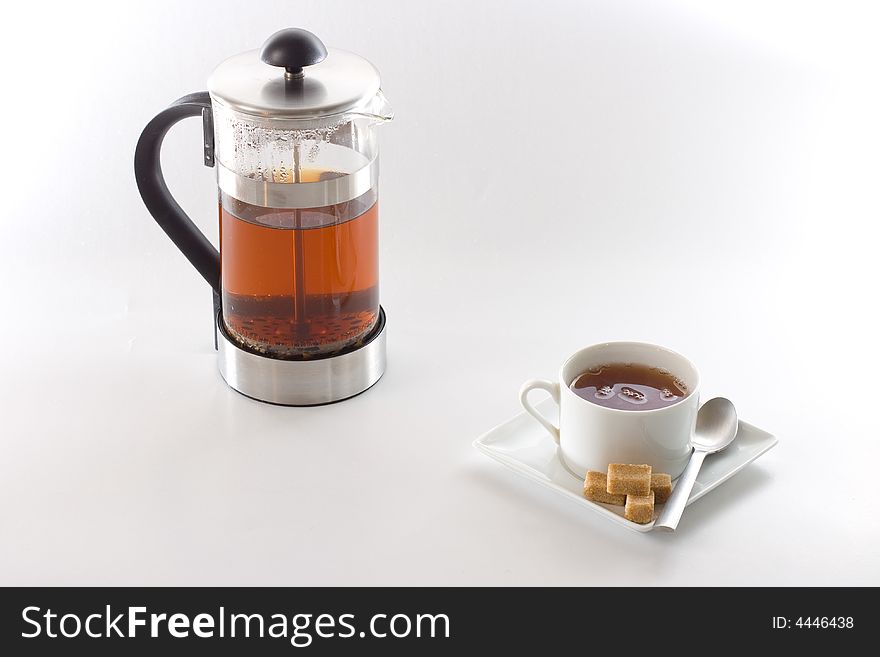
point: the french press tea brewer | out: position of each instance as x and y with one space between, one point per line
291 131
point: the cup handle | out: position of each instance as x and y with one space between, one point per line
540 384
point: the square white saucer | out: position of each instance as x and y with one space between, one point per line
525 447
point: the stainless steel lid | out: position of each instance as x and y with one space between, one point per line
294 76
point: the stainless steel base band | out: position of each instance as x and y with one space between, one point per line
302 382
299 195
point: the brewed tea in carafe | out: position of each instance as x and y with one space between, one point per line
300 282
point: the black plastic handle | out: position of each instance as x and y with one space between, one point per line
151 184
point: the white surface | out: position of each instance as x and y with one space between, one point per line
697 175
525 448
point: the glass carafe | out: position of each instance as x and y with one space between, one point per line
291 131
299 269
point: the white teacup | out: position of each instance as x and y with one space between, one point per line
591 436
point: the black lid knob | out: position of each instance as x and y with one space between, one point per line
293 48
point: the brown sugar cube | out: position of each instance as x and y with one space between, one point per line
639 508
595 486
661 486
627 479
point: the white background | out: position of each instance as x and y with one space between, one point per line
701 175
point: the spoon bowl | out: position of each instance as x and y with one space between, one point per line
716 425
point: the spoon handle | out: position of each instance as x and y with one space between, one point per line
674 506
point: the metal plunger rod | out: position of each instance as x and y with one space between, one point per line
299 284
